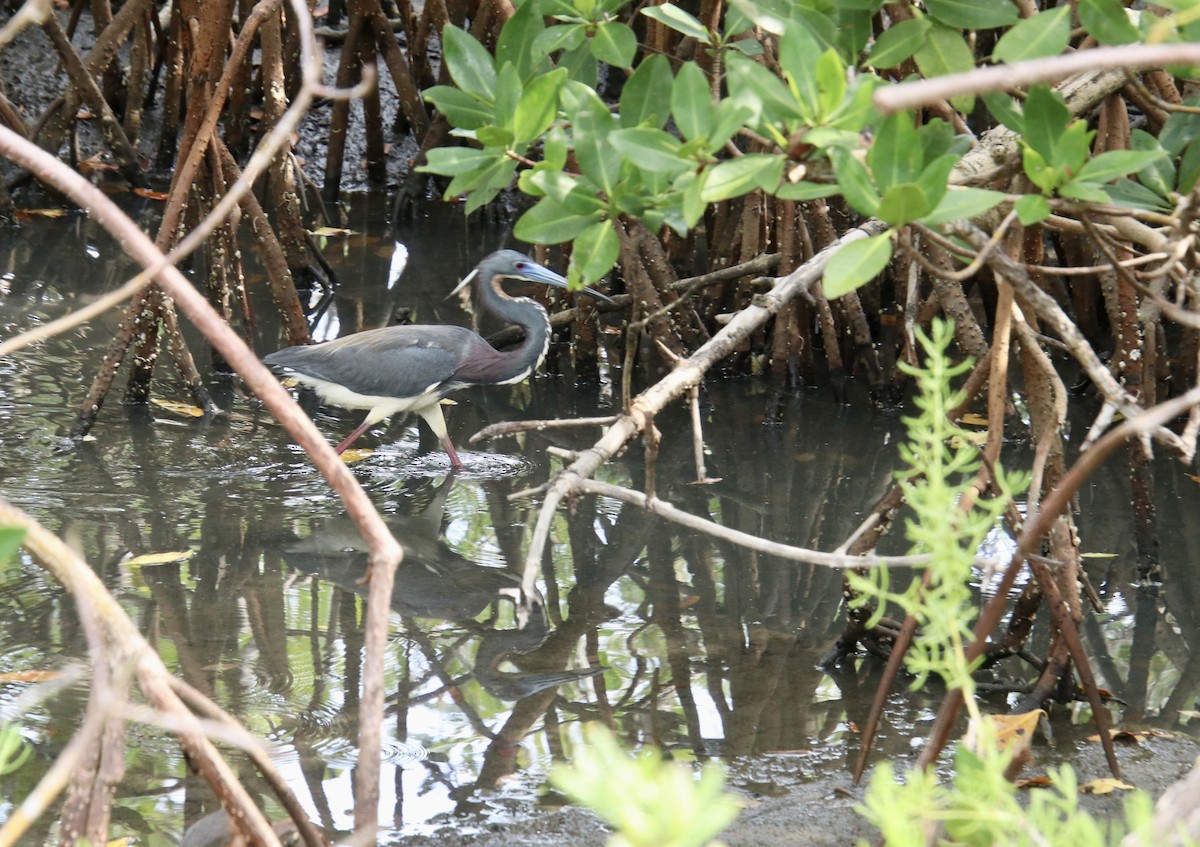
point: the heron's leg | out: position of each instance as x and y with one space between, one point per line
352 437
433 417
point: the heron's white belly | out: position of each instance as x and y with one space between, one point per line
381 407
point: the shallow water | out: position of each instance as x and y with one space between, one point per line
707 649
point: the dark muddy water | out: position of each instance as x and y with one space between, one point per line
706 648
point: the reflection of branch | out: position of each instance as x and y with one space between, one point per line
665 510
385 551
516 427
910 95
113 638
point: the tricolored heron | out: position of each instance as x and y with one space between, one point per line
411 368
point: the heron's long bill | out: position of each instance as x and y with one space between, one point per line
531 271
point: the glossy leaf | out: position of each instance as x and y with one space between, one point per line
1032 209
799 51
515 45
806 191
739 176
594 252
1107 21
538 106
549 222
597 158
855 182
902 204
650 149
935 176
898 43
642 100
508 92
830 76
1088 192
973 14
677 19
452 161
560 37
856 264
946 52
1114 163
895 155
764 94
469 63
691 102
771 15
1046 117
1045 34
581 65
1180 128
459 107
729 118
961 204
614 44
1004 109
494 136
1133 195
1189 169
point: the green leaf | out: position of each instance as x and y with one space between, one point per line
856 264
896 153
898 43
678 20
693 205
691 102
549 222
973 14
1042 175
460 108
614 44
830 76
799 51
452 161
764 94
597 158
960 204
642 100
516 42
538 106
946 52
1073 147
555 149
1088 192
730 117
10 542
1032 209
1005 110
469 63
933 179
508 92
855 182
1133 195
1189 169
771 15
1180 128
739 176
559 37
483 184
1046 118
650 149
806 191
581 65
594 253
1045 34
1107 21
1114 163
494 136
903 204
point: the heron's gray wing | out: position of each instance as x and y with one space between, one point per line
402 361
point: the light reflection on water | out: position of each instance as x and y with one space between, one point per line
266 614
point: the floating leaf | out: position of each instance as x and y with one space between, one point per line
29 676
150 194
333 230
183 409
1106 785
356 454
151 559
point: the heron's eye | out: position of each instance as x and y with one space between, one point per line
519 266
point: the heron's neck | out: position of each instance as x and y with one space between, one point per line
532 318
